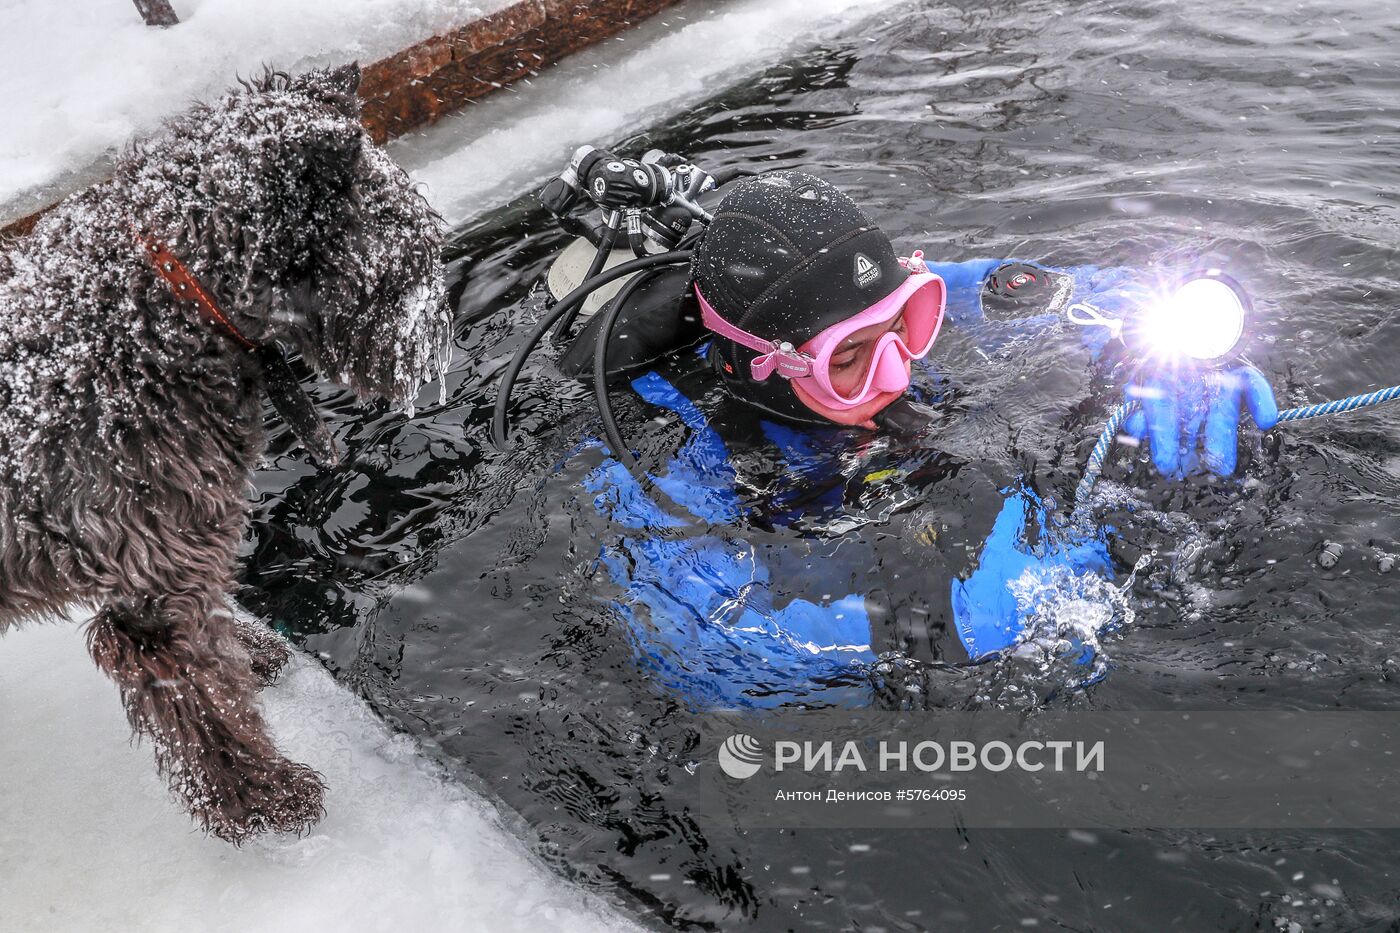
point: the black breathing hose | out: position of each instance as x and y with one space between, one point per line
620 451
499 423
600 258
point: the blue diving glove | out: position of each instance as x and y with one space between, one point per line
1186 409
986 609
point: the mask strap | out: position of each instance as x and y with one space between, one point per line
778 356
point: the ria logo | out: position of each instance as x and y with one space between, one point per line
740 756
866 271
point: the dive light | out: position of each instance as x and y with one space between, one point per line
1202 319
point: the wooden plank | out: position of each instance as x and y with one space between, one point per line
432 78
157 12
424 83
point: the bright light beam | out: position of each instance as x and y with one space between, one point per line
1203 320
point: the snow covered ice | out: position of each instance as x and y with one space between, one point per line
493 150
91 841
64 122
82 77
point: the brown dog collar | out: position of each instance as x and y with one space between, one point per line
186 287
283 387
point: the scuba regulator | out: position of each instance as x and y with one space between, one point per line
656 202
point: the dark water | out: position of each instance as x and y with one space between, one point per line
456 587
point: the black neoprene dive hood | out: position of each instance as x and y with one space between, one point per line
787 256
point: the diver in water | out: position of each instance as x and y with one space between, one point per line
812 323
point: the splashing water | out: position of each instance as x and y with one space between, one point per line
1068 614
1192 539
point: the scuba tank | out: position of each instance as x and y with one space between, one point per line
660 314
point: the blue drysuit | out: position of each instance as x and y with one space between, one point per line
697 598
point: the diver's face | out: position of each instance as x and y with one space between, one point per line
848 367
851 361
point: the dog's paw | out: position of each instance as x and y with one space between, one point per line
267 652
288 801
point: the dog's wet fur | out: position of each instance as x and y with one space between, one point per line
129 426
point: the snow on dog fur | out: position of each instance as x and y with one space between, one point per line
129 424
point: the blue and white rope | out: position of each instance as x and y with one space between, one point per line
1115 423
1341 405
1100 451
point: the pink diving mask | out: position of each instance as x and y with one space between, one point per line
920 298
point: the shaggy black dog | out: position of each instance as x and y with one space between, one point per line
130 419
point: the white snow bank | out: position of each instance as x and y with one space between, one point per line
89 839
490 151
80 77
